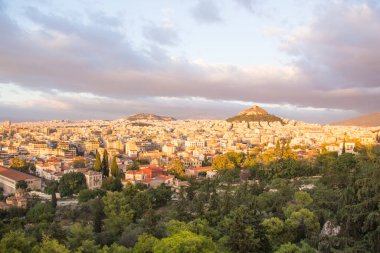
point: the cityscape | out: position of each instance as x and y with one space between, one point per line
151 127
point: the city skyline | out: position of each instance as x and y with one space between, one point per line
308 61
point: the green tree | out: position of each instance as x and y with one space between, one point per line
87 194
243 232
275 229
185 242
114 168
118 212
115 248
176 167
21 185
50 246
41 212
105 164
16 242
145 243
140 203
97 214
87 246
303 221
160 195
78 233
173 227
202 227
301 200
98 162
112 184
52 188
71 183
292 248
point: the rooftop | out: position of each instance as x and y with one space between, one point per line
15 175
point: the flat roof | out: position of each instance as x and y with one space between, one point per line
15 175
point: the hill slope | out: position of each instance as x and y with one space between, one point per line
369 120
145 116
254 113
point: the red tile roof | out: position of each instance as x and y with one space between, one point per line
15 175
207 168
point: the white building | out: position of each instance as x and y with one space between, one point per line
93 179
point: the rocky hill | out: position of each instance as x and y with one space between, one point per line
254 113
145 116
369 120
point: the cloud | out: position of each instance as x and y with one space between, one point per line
336 66
101 18
339 49
20 104
163 34
247 4
206 11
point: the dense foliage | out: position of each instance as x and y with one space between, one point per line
329 203
71 183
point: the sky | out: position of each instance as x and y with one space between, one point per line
316 61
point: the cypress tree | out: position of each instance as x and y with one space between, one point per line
344 147
98 162
54 199
114 168
54 189
105 164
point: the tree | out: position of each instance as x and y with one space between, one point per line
87 194
145 243
19 164
292 248
77 234
52 188
87 246
140 203
79 163
15 242
235 158
185 242
202 227
160 195
115 248
98 162
105 164
275 229
114 168
97 214
112 184
206 162
41 212
249 162
21 185
301 200
222 162
50 246
118 211
71 183
243 232
303 221
176 167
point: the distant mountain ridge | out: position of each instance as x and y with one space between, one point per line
368 120
147 116
254 113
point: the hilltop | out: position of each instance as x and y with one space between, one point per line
146 116
368 120
254 113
